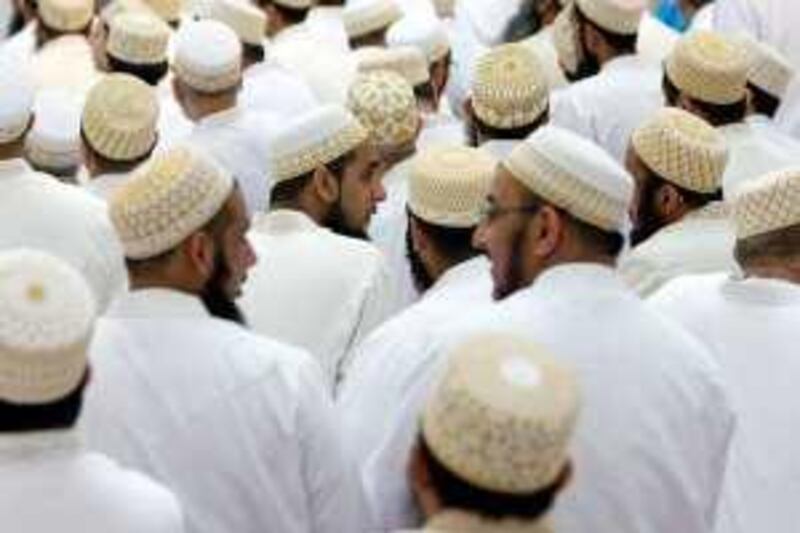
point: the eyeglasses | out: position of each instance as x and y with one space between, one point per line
491 212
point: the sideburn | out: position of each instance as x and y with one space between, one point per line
214 297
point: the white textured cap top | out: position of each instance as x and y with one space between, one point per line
138 38
574 174
208 56
366 16
313 140
16 101
248 21
503 414
768 203
617 16
384 103
769 70
426 33
66 15
407 61
47 312
54 141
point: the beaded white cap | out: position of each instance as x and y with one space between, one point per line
54 141
769 69
503 414
682 149
709 67
167 199
768 203
384 103
66 15
47 313
313 140
16 101
448 185
208 56
426 33
617 16
248 21
366 16
407 61
510 87
120 117
574 174
138 38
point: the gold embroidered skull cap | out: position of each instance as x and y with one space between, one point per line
384 103
66 15
617 16
138 38
248 21
768 203
407 61
362 17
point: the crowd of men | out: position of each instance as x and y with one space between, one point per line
306 266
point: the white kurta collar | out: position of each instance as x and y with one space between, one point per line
13 167
762 291
624 62
221 118
32 445
579 278
464 522
284 221
468 270
157 303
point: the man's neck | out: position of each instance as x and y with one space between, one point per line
204 106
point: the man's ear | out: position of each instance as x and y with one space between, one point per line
418 237
548 228
668 201
325 185
200 251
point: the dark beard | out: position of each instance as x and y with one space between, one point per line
422 280
588 67
216 301
514 280
335 222
647 222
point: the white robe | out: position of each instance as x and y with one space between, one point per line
48 482
751 328
326 23
702 241
272 88
607 107
239 426
105 185
314 288
36 210
651 445
238 138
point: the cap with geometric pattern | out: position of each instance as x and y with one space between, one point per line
384 103
769 70
120 117
709 67
54 141
66 15
574 174
510 87
682 149
448 185
314 139
408 61
208 56
138 38
768 203
367 16
616 16
248 21
426 33
503 414
47 313
166 200
168 10
117 7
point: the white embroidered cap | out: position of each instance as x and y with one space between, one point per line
117 7
448 185
384 103
510 87
16 101
167 199
208 56
367 16
709 67
47 313
617 16
120 118
138 38
682 149
426 33
574 174
168 10
248 21
503 414
54 141
407 61
315 139
769 70
768 203
66 15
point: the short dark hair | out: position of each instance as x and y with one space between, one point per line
424 92
782 243
763 102
151 73
292 15
454 243
715 114
671 93
511 134
619 42
693 199
456 493
254 53
61 413
376 38
288 191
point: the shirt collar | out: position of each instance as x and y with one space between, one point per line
579 278
284 221
224 117
462 521
461 273
13 167
157 303
31 445
762 291
621 63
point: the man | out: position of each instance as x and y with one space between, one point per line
750 323
208 76
118 128
509 99
410 63
319 285
616 89
180 383
492 452
137 45
447 192
706 74
652 442
679 223
367 21
38 211
384 103
48 480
